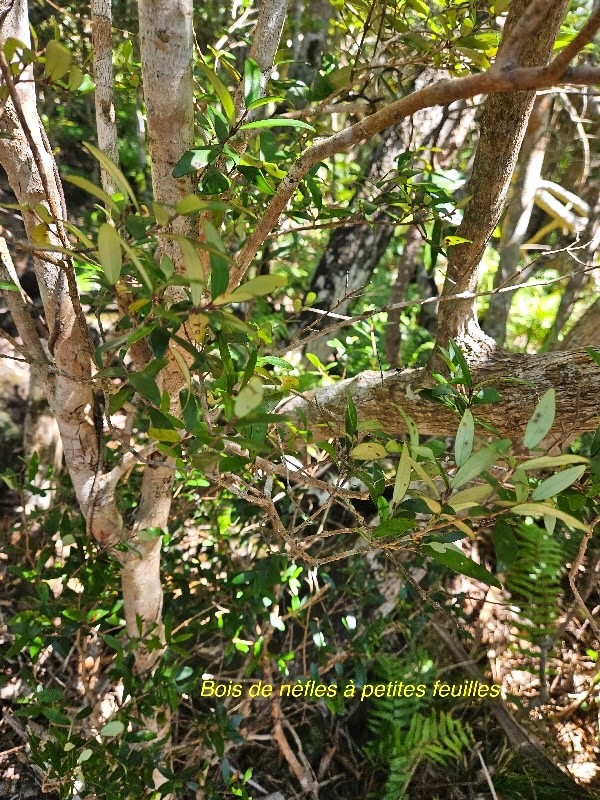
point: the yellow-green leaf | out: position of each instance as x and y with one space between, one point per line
402 477
58 61
222 92
112 169
92 189
109 250
368 451
541 509
249 398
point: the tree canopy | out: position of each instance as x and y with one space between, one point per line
301 357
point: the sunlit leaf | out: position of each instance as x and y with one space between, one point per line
109 250
368 451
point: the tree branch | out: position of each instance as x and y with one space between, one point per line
441 93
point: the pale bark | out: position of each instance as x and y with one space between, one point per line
574 375
106 126
265 43
166 44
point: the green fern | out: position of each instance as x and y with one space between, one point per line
534 581
406 731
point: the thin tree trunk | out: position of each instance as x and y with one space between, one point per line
503 127
515 226
106 126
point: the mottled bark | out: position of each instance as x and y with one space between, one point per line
574 375
106 126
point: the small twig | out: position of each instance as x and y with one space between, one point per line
573 574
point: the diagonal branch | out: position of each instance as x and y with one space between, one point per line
442 93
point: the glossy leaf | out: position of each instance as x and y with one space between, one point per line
252 81
222 92
276 123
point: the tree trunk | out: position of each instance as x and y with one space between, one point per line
503 127
515 226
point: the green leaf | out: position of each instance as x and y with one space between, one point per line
109 250
411 427
452 557
464 438
219 273
543 462
505 544
249 398
252 81
58 61
474 466
263 101
194 160
403 475
473 496
146 386
112 169
192 203
8 286
118 399
541 509
92 189
222 92
541 420
164 435
458 360
276 123
351 417
593 354
368 451
114 728
256 287
487 395
556 483
76 77
394 527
